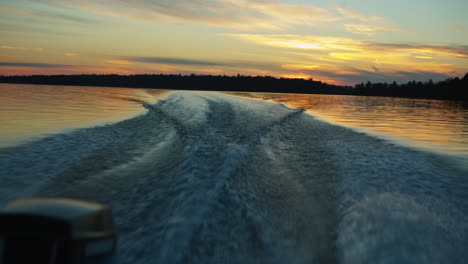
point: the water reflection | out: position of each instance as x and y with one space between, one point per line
28 111
432 124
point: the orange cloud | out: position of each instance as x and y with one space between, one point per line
71 54
461 29
13 48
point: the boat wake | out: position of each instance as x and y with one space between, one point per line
211 178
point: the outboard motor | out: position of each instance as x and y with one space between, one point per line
59 231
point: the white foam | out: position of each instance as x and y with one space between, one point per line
206 177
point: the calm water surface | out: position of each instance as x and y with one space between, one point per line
436 125
28 112
31 111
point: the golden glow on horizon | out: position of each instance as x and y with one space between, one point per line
362 55
299 66
350 43
296 76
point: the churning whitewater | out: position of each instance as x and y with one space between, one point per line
212 178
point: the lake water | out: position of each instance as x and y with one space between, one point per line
205 177
435 125
29 112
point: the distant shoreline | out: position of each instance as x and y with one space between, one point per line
450 89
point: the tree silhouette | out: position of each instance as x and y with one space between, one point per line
452 88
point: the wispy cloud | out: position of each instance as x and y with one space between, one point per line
457 51
20 48
460 29
211 64
37 30
30 69
237 14
13 48
32 64
306 42
15 11
328 45
274 21
369 25
328 58
249 15
370 30
353 14
119 62
173 61
57 14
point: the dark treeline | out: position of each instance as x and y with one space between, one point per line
185 82
453 88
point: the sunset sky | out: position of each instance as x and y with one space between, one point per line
341 42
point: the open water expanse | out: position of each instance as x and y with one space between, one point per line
203 177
